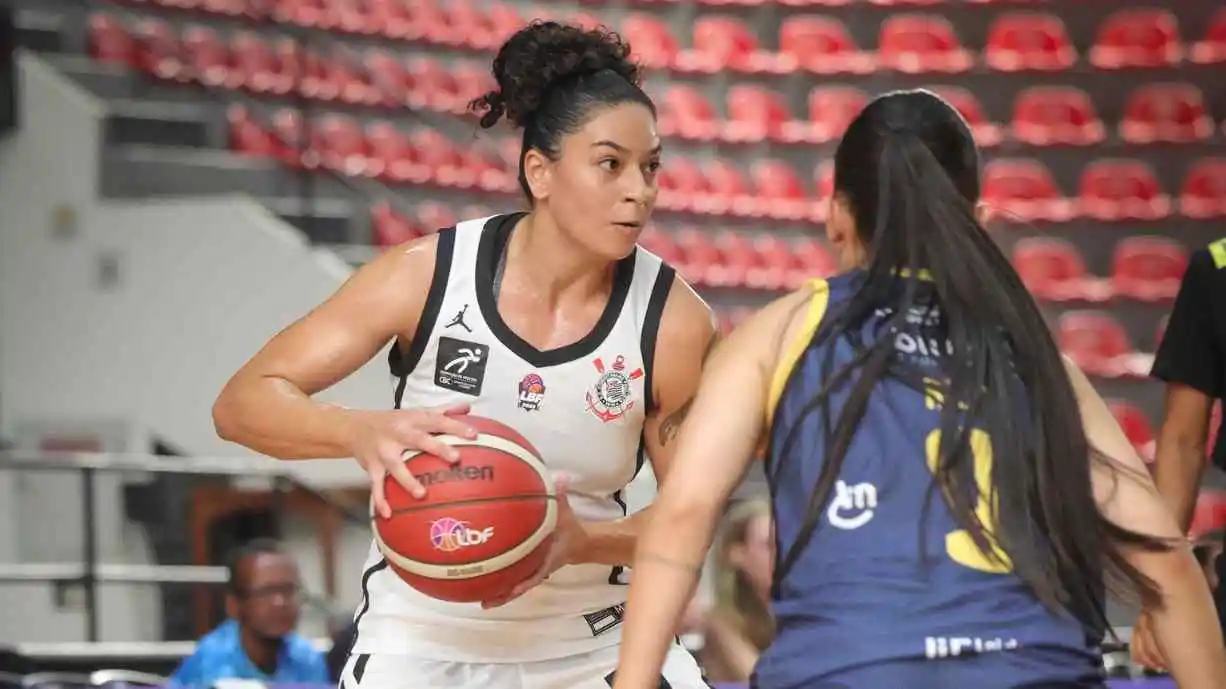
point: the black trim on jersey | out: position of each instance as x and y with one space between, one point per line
403 363
651 329
494 238
357 620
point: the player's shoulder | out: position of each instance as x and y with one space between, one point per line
766 334
687 322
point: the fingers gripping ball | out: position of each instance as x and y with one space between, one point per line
484 524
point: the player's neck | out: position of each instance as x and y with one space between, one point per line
559 269
261 651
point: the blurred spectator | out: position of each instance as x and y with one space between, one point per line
258 642
739 626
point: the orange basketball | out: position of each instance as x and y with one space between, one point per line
485 523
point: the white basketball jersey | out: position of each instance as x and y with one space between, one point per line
582 406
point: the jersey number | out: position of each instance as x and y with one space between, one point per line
959 544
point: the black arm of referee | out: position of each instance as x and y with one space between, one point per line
1192 361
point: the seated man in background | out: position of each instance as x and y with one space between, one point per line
258 641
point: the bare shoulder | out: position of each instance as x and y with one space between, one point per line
768 332
687 324
394 285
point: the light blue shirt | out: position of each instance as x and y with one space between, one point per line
219 655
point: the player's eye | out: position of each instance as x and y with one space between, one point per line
610 164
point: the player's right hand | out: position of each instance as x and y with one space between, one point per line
382 437
1143 647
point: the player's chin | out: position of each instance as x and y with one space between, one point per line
620 240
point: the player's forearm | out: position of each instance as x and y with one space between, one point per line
1178 468
667 566
1186 626
612 542
273 417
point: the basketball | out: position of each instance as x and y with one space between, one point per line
485 523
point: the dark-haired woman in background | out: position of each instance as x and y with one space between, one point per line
552 321
949 495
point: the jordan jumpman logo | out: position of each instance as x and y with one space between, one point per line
459 319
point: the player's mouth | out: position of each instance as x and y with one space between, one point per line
630 225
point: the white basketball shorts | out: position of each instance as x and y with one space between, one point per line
592 670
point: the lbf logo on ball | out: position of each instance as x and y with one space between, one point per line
611 396
449 535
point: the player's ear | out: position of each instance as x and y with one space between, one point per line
539 174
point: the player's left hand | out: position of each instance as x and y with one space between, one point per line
568 536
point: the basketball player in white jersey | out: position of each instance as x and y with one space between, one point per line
553 322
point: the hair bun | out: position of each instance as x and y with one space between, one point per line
543 53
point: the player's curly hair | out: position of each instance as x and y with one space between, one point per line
551 77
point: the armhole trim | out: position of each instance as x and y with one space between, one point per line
818 303
400 362
665 277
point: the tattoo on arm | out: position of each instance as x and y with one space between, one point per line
671 426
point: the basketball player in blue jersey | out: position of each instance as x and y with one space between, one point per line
950 497
552 321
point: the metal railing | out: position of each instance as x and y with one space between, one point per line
89 572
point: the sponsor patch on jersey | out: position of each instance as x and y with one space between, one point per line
531 392
460 365
612 395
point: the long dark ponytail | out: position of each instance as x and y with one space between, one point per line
908 171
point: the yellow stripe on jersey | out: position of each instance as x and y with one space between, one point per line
812 319
1218 251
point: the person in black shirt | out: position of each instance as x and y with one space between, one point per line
1191 360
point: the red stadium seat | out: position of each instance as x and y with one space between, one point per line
1148 268
472 80
1210 512
686 112
206 56
256 66
1053 271
433 216
654 44
700 255
389 77
1212 48
1141 37
1136 427
1050 115
434 86
1204 189
109 41
1097 343
1029 41
1024 188
986 133
737 258
823 179
822 45
341 144
682 184
729 192
1113 189
290 135
158 50
392 18
661 244
249 137
441 157
390 228
1171 113
779 266
779 191
391 155
921 43
724 42
831 109
815 259
354 81
755 113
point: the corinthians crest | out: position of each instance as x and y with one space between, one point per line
610 398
